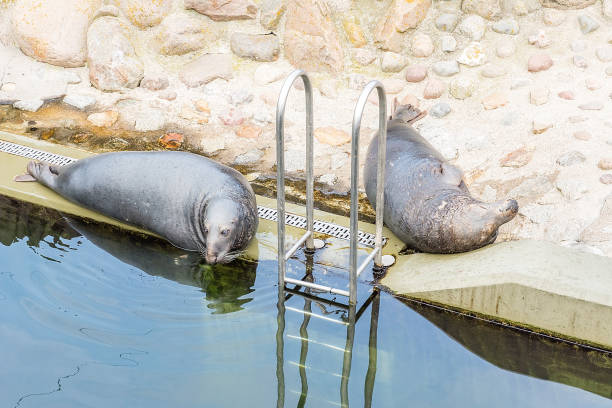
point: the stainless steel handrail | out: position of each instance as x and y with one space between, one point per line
280 171
380 182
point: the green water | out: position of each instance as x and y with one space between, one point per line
94 317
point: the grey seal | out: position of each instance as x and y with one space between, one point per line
193 202
427 203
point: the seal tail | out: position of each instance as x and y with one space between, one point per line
43 173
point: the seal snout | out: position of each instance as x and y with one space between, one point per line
510 208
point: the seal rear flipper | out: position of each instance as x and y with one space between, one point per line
24 178
43 172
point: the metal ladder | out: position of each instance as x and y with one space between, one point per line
376 255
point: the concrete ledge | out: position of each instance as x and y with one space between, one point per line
532 284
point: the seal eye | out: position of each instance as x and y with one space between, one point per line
225 232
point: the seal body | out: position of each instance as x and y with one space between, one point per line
195 203
427 203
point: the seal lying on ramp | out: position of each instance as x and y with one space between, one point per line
195 203
427 204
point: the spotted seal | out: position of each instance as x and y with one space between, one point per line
427 203
193 202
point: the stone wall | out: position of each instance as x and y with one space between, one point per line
518 92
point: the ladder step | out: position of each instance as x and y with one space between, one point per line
297 245
318 287
367 261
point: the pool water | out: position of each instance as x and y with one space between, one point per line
91 316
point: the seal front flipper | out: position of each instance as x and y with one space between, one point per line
44 173
24 178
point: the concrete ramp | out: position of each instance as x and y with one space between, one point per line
533 284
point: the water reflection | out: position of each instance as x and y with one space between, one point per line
226 286
529 354
349 317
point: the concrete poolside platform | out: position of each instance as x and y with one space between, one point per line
531 284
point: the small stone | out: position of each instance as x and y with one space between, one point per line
587 23
410 99
167 95
103 119
416 73
30 105
472 26
446 22
578 46
392 62
609 71
582 135
541 125
580 61
505 48
154 81
492 71
393 85
539 95
206 69
462 87
331 136
605 164
604 53
233 117
421 45
519 83
433 89
267 73
249 131
145 13
568 95
80 137
553 17
248 158
445 68
47 134
258 47
171 141
473 55
593 84
491 10
494 100
592 105
448 43
182 33
111 58
354 32
540 39
328 179
363 56
507 26
518 158
577 119
571 158
116 143
439 110
224 11
192 115
606 178
539 62
80 101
